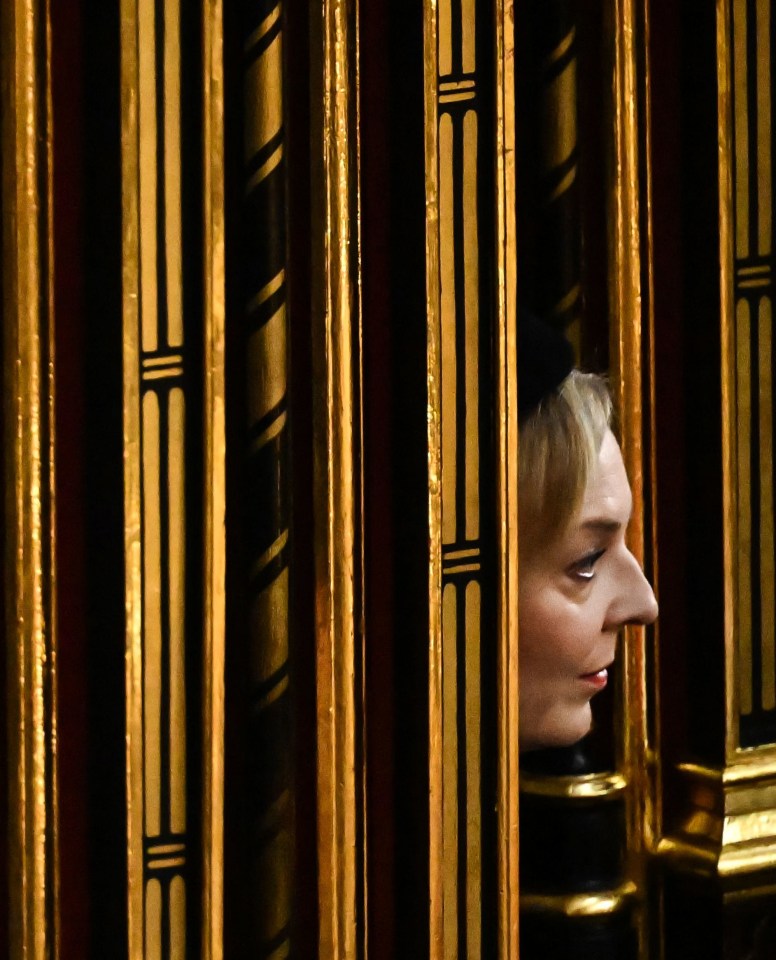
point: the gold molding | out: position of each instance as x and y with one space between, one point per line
728 374
434 438
130 232
591 786
506 420
600 903
28 386
214 396
338 486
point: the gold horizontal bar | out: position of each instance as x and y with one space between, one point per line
165 848
448 555
165 374
455 97
165 863
594 786
596 904
450 85
753 269
465 568
173 359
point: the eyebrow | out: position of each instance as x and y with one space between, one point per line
602 526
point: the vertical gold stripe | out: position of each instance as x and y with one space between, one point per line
153 921
472 303
653 819
152 617
625 310
445 26
449 359
338 487
764 173
176 454
264 100
468 35
744 541
473 776
507 842
28 446
177 919
741 126
728 336
767 570
431 67
172 172
146 98
450 752
133 559
214 400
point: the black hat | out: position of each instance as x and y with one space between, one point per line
544 359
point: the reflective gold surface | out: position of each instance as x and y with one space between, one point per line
214 397
133 555
338 484
155 490
506 449
434 58
600 903
729 828
588 786
28 389
626 250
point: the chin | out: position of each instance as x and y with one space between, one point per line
562 728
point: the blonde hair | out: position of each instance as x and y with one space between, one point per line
559 445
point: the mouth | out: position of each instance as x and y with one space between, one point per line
597 680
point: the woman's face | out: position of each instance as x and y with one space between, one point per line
574 595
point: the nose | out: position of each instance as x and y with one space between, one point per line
635 600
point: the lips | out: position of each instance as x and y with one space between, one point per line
598 679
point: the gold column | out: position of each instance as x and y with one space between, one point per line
339 557
267 516
728 833
158 390
28 387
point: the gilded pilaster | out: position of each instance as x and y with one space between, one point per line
458 118
28 389
173 296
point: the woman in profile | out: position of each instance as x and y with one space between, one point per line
578 581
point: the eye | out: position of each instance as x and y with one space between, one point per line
584 569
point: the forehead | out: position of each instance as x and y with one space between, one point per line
608 492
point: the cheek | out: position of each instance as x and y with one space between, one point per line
556 633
